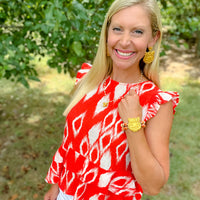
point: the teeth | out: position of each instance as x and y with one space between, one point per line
124 54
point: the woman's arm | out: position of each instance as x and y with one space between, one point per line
52 193
149 147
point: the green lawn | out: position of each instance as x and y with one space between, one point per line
31 128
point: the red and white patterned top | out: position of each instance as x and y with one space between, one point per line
93 162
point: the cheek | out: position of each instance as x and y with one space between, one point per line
141 45
111 41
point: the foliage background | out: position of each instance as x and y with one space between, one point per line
67 31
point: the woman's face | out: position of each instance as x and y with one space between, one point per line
129 35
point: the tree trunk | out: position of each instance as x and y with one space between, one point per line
198 44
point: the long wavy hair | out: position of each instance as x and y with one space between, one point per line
102 64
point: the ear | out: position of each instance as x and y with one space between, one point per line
154 39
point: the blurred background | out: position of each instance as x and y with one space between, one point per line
42 45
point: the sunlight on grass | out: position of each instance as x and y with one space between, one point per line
173 83
51 80
33 119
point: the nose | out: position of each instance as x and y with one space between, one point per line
125 39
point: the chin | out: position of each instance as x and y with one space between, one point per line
125 65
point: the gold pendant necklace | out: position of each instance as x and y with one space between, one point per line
106 103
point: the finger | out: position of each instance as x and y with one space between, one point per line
122 103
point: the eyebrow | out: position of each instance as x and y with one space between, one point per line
132 28
121 26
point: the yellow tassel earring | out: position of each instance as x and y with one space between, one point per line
149 56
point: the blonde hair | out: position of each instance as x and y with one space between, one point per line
102 65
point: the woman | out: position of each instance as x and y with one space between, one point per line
116 137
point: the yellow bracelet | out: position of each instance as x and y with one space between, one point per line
133 124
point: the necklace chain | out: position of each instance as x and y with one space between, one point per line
105 104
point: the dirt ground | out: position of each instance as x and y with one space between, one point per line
180 62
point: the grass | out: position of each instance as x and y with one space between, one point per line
31 128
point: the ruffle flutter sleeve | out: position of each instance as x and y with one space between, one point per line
85 68
156 98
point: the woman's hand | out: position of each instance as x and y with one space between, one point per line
52 193
130 107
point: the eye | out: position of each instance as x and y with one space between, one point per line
139 32
116 29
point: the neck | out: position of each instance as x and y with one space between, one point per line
124 76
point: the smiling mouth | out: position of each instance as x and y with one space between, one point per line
125 54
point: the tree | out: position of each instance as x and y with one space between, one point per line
66 30
183 17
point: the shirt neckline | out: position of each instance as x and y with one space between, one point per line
109 79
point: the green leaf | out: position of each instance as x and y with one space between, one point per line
186 45
59 69
77 47
162 53
34 78
23 81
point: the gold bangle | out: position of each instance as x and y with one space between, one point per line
133 124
